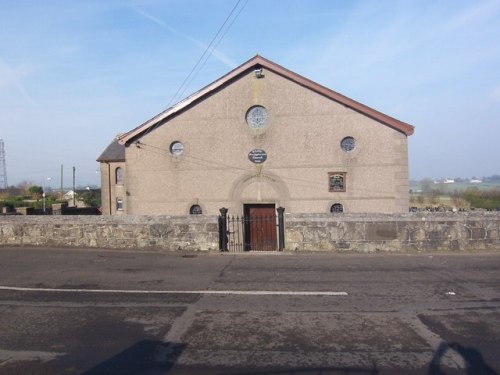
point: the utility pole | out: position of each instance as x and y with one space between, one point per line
74 188
3 168
62 183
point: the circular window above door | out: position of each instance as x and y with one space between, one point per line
348 144
257 117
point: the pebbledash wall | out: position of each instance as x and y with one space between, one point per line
471 231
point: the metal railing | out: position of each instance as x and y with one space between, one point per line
246 233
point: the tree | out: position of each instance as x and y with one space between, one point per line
35 191
494 178
91 198
24 186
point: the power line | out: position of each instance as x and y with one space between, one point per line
203 58
218 165
208 52
215 45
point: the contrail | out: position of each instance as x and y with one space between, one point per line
219 56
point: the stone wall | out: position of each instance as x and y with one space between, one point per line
399 232
303 232
122 232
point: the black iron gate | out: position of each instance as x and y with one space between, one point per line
251 233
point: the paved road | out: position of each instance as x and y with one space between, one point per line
66 311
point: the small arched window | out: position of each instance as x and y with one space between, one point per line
195 210
336 208
118 175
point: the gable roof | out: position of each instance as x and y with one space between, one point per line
259 61
115 152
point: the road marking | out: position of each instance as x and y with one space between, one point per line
225 292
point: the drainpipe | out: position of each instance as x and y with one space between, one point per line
74 187
109 185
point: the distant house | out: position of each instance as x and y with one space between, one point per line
69 195
258 138
73 197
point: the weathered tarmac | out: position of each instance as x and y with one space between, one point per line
67 311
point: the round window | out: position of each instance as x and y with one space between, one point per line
348 144
336 208
176 148
195 210
256 117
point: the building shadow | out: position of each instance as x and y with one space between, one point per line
314 371
156 357
474 361
144 357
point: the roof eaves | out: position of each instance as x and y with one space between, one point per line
151 123
403 127
344 100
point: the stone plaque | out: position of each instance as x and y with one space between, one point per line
257 156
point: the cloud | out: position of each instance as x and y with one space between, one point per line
11 78
218 55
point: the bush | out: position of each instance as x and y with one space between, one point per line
486 199
12 202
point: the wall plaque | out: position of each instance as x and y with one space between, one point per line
257 156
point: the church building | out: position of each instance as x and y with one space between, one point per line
260 137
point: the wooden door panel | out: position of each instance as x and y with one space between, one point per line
260 227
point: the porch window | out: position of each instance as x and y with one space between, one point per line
336 181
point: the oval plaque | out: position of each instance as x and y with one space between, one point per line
257 156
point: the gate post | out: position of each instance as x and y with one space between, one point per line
281 228
223 229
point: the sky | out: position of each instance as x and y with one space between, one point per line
75 73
